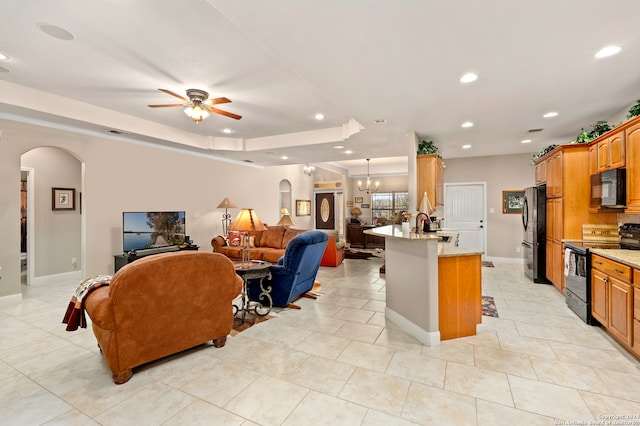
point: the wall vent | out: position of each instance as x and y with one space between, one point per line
534 130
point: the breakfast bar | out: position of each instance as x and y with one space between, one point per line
434 288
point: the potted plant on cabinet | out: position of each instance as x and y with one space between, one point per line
428 147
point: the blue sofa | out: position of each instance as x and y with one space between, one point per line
296 270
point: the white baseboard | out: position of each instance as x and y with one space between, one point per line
10 299
429 338
511 260
64 276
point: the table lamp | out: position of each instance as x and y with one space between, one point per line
285 220
247 221
226 204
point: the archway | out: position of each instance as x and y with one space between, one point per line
54 240
285 196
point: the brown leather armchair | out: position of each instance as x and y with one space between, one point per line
163 304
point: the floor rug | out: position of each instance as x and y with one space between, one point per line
352 254
250 320
489 307
487 264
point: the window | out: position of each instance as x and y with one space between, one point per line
387 204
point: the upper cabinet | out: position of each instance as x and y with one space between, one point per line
632 136
430 179
541 172
554 174
611 152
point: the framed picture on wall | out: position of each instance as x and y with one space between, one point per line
512 202
359 199
349 203
303 207
365 206
63 199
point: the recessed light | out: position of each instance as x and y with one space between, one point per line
319 116
56 32
284 157
608 51
339 146
468 77
3 57
379 121
348 151
466 146
226 130
550 114
467 124
525 141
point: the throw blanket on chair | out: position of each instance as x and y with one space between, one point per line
74 317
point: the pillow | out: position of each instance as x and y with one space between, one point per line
243 241
233 237
272 237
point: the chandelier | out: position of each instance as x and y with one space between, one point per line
308 169
368 189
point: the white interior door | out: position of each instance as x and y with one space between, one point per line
464 210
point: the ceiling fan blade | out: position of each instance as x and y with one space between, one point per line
217 101
225 113
169 92
165 105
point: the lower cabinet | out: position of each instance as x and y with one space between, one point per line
621 310
612 298
600 297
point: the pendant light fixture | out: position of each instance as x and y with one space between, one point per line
368 188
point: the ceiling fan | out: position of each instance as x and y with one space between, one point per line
197 105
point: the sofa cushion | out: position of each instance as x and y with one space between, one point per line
288 236
257 235
270 254
272 237
252 241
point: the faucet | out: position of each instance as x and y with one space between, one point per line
418 227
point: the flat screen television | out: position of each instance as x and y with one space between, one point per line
148 230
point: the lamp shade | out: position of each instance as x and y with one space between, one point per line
286 220
356 211
247 220
227 204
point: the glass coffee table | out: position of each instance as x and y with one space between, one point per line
254 269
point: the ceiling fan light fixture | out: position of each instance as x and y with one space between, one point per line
196 113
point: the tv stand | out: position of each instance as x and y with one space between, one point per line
121 260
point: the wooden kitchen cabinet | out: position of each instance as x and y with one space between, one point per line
554 174
599 297
541 173
611 152
636 311
621 310
593 159
568 196
612 298
554 230
430 173
632 136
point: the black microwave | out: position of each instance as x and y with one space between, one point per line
608 189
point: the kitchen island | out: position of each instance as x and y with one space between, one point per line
434 289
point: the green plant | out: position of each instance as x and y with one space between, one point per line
635 110
542 153
598 129
428 147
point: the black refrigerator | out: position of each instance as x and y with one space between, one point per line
534 214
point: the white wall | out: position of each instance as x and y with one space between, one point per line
501 173
120 176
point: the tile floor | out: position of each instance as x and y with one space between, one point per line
335 362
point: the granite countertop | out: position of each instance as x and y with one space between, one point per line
444 249
628 257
